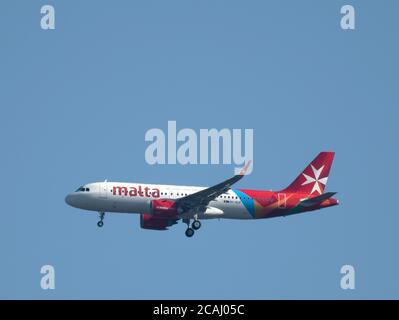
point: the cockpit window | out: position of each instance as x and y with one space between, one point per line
82 189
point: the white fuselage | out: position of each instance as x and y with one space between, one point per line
136 198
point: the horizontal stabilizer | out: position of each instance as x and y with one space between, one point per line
316 200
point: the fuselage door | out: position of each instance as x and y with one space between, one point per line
104 190
282 200
172 194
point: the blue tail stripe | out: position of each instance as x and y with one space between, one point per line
247 201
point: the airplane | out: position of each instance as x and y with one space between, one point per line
162 206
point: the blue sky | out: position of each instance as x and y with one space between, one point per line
76 103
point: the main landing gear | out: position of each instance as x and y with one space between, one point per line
194 226
189 232
101 222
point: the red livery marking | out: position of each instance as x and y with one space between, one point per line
136 192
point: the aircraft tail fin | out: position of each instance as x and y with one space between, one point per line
313 179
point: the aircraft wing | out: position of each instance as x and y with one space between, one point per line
203 197
316 200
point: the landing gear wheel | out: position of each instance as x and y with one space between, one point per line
101 223
196 224
189 232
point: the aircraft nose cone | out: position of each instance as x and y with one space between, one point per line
68 200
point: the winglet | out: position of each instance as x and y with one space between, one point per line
245 168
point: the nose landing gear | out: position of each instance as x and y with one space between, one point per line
101 222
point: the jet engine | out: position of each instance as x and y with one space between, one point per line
163 208
149 221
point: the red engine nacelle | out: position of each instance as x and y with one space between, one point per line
163 209
163 215
149 221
